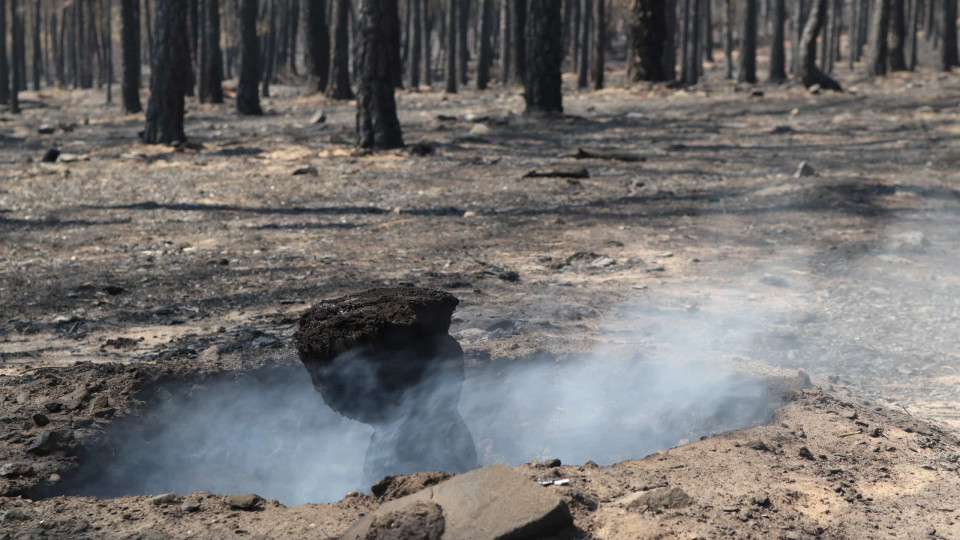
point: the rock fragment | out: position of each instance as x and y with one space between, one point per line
242 502
661 498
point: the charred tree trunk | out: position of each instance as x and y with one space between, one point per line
15 54
728 14
37 50
149 33
338 82
4 64
392 13
248 98
20 57
669 60
877 55
316 36
211 57
518 24
948 50
426 49
778 60
575 38
914 28
748 45
505 41
898 36
130 43
294 33
694 61
416 41
544 55
600 43
450 73
485 54
463 51
586 17
271 46
647 36
808 73
377 124
170 73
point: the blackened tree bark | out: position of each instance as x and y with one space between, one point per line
463 52
21 56
426 29
807 70
211 57
37 50
416 41
728 14
778 57
248 98
898 36
83 48
338 82
914 30
4 65
646 38
170 74
147 13
600 43
575 37
15 54
693 36
271 45
543 91
748 45
316 43
485 54
294 32
708 31
586 16
377 124
669 61
450 74
948 49
518 24
877 54
130 43
505 40
392 14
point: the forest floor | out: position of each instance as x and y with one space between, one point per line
200 260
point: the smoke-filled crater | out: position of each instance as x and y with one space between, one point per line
386 391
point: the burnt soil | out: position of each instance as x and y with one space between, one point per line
123 264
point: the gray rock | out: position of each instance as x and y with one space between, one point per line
480 129
13 514
305 171
190 505
51 155
40 419
805 169
165 498
48 441
418 521
661 498
242 502
46 129
490 503
15 469
318 117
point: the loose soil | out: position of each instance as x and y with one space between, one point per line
121 264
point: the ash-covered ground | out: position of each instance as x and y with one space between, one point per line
158 265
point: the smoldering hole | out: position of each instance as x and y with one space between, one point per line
267 431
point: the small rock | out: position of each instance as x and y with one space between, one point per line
312 171
242 502
814 89
15 469
584 499
13 514
100 402
603 262
53 406
559 172
45 442
760 499
509 276
805 169
209 355
190 505
114 290
165 498
46 129
759 445
660 498
805 453
40 419
551 463
51 155
318 117
480 129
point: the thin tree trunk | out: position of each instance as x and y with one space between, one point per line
169 75
669 60
898 36
575 39
808 73
149 33
948 51
852 38
544 55
426 29
518 23
586 21
248 99
748 45
211 57
391 11
600 44
728 16
914 28
463 51
271 46
877 55
130 45
37 50
316 46
505 42
708 31
485 53
338 82
696 33
778 70
15 29
685 44
108 53
377 124
450 74
294 33
4 64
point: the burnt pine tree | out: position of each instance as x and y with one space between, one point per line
316 40
211 58
748 45
586 15
948 49
413 63
271 44
898 36
4 65
392 13
37 51
646 38
130 43
807 70
778 60
170 74
15 29
377 124
879 24
451 71
463 52
600 42
338 82
485 54
248 99
518 40
728 13
544 55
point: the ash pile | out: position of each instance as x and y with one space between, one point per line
384 357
